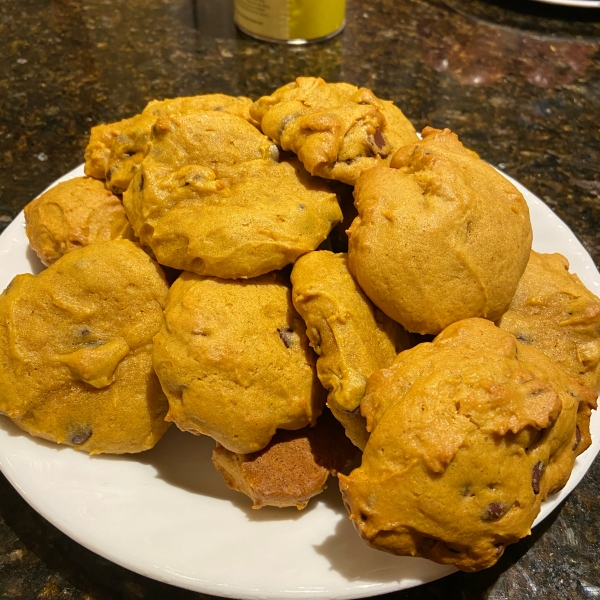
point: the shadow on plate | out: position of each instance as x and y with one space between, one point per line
184 460
12 430
34 261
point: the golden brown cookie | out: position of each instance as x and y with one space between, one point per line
440 237
73 214
97 152
554 312
213 197
294 467
352 337
234 361
336 129
469 434
76 350
130 146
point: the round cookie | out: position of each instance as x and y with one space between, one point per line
214 198
73 214
336 129
76 350
440 237
294 467
352 337
554 312
234 361
469 434
129 147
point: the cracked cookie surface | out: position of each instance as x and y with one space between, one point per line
74 214
352 337
553 311
213 196
336 129
115 151
469 434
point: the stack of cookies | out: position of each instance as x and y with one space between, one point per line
298 330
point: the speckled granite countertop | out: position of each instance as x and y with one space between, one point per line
517 80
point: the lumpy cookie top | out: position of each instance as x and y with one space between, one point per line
73 214
214 197
76 349
336 129
553 311
352 337
116 150
234 360
440 237
468 435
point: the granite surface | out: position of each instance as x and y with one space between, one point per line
519 82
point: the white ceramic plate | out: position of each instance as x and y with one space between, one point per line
580 3
167 513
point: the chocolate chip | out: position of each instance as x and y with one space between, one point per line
538 471
577 438
494 512
379 139
80 434
287 336
285 122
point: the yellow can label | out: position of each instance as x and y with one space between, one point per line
290 19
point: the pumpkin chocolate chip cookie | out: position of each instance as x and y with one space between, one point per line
439 237
336 129
469 434
116 150
213 196
76 350
235 362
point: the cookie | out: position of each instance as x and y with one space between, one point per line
440 237
116 150
294 467
234 361
76 350
554 312
352 337
213 196
73 214
131 144
336 129
469 434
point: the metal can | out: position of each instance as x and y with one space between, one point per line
290 21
